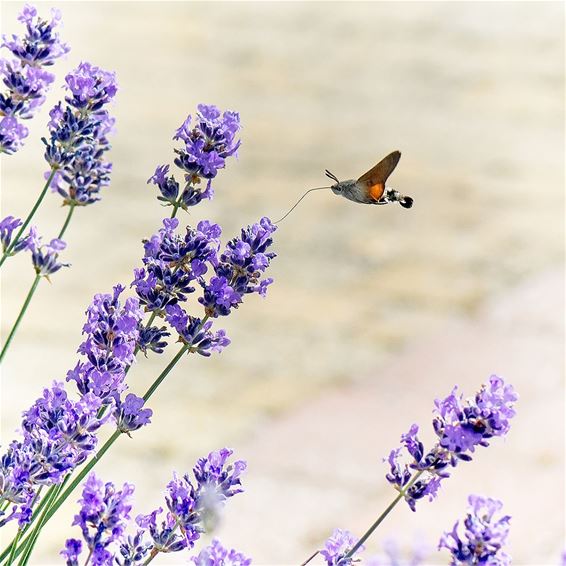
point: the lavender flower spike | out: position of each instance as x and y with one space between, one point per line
79 136
481 537
102 518
208 140
24 75
461 425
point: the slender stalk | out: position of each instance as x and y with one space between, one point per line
28 219
165 372
380 519
14 545
20 316
175 209
67 220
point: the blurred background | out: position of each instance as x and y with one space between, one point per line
375 311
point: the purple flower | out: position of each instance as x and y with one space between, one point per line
79 136
173 262
7 226
196 333
208 140
337 546
24 76
112 332
219 297
189 505
481 537
45 257
131 415
216 555
103 517
12 135
460 425
246 258
152 338
72 551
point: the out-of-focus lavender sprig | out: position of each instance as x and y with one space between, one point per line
482 535
393 555
209 140
79 136
217 555
24 74
461 425
104 513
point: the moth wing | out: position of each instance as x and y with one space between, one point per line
378 174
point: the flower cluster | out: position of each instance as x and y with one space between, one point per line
337 546
58 435
173 262
460 425
24 75
45 257
111 333
104 513
7 226
209 141
103 518
175 265
239 269
482 536
79 136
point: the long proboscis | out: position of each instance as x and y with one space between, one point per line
297 203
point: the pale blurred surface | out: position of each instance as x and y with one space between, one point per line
473 95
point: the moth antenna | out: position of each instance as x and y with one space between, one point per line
331 175
297 203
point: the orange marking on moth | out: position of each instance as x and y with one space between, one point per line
376 191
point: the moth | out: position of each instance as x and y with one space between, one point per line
370 188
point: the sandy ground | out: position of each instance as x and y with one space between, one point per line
472 94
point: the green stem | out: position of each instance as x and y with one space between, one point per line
29 217
14 545
20 316
165 372
380 519
175 209
67 220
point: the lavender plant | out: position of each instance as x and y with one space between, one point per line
104 517
461 425
59 444
76 147
174 267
